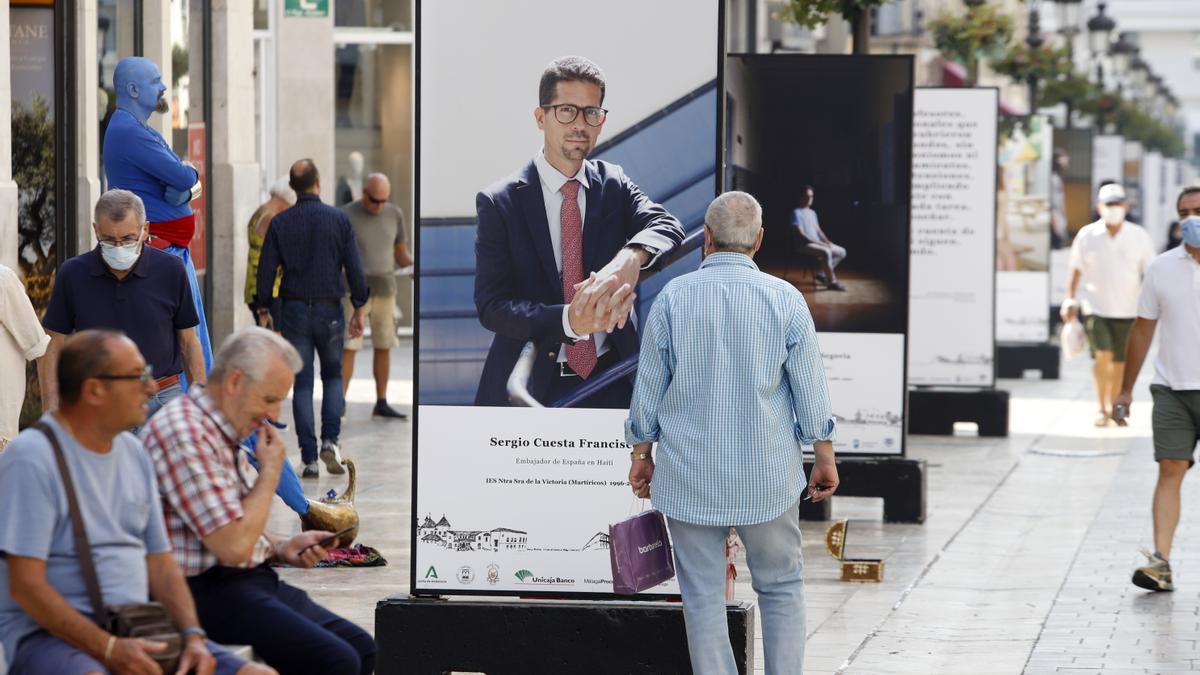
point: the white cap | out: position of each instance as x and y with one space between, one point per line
1111 194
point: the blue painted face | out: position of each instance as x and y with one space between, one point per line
140 89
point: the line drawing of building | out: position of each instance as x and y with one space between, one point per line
498 539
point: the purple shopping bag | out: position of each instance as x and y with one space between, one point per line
640 552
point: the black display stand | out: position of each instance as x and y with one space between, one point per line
432 636
899 481
934 411
1012 360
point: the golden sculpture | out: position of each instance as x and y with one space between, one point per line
334 514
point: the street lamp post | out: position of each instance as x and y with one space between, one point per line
1033 39
1067 15
1100 29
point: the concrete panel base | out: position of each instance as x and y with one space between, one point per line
1013 360
899 481
419 636
935 411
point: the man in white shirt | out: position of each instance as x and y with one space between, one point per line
1107 262
1171 298
816 242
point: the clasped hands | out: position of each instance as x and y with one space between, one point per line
603 301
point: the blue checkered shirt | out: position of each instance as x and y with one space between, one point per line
730 384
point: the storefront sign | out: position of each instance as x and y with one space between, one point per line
951 316
308 9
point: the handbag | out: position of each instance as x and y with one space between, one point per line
640 551
147 620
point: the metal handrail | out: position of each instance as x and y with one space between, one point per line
518 380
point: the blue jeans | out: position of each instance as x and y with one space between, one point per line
777 575
316 327
158 400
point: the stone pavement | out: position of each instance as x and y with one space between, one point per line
1023 564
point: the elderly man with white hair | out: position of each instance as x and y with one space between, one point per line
216 519
731 386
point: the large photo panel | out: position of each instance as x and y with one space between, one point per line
825 144
517 499
952 317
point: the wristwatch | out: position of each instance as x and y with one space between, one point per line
634 456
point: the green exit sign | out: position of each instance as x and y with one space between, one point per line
306 8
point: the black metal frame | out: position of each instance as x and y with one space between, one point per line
413 539
995 226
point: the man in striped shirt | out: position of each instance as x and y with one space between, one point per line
730 385
216 519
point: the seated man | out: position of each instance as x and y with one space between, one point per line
804 219
46 620
216 521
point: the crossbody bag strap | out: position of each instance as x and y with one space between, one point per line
87 564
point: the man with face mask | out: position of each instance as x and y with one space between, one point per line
138 159
1169 300
1107 261
124 285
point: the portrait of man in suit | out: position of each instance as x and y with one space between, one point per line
559 248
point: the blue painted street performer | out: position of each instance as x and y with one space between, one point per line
138 159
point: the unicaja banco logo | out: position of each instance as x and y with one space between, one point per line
522 575
650 547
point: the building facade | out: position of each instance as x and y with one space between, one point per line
253 85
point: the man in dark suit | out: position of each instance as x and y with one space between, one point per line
559 249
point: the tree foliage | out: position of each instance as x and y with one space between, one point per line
814 13
982 31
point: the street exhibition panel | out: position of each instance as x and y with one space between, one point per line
951 323
1023 199
1072 201
518 500
835 176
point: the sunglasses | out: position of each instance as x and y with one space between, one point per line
373 200
146 376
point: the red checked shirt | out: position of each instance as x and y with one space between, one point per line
193 447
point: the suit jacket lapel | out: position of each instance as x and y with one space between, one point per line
529 194
593 229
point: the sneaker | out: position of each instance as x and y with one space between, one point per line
1155 576
331 454
382 409
310 470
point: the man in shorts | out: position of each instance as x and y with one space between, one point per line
1169 300
1108 259
379 230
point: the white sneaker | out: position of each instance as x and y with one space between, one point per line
331 454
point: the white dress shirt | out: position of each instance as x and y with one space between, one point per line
552 181
1171 296
1112 268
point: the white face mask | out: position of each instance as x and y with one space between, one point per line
1113 215
120 258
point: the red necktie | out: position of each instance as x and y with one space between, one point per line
581 356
